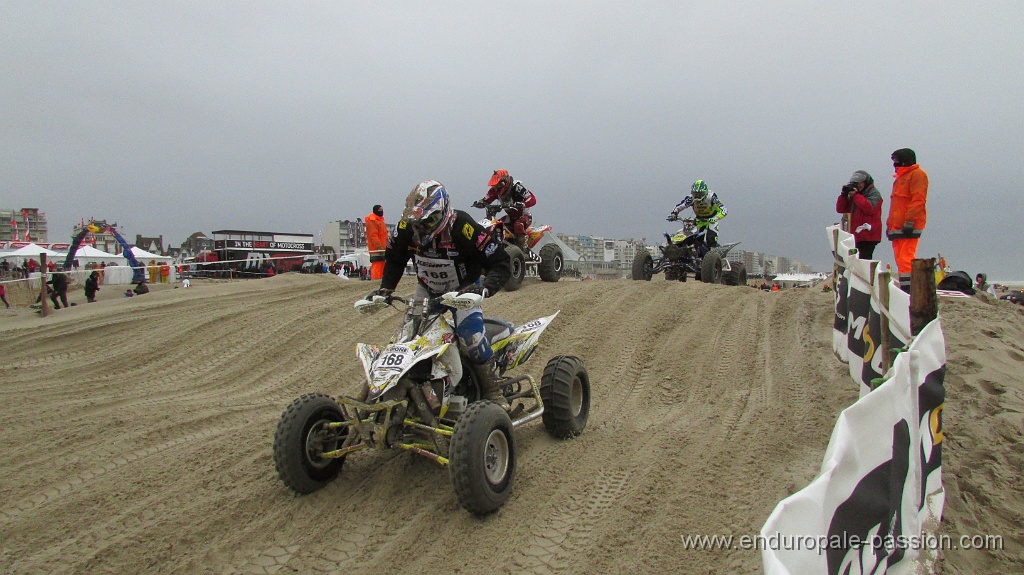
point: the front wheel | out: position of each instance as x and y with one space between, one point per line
711 268
301 439
643 266
482 457
517 262
565 391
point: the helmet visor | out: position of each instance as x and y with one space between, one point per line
427 225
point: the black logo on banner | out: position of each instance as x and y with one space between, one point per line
864 334
869 524
931 396
842 285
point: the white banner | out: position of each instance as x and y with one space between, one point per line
880 481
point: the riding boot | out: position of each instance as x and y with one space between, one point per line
487 379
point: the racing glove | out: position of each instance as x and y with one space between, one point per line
475 288
479 204
385 292
672 217
518 206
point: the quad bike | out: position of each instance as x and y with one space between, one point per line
421 395
550 261
686 252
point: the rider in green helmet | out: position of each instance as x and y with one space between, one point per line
707 211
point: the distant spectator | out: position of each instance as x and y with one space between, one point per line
376 241
129 293
165 273
862 200
3 295
153 270
907 213
59 289
981 285
103 271
186 283
92 285
32 266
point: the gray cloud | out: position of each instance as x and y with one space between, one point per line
171 118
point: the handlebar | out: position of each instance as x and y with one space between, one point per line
450 299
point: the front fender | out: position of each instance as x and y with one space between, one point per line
383 368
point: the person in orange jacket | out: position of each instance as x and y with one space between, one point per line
907 214
376 241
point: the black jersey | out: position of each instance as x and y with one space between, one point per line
455 258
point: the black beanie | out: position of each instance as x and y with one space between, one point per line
904 157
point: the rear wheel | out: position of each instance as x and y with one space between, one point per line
737 276
643 266
551 262
565 391
517 261
482 457
301 439
711 268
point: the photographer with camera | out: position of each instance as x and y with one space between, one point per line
862 200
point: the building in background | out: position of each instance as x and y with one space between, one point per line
101 240
151 245
24 225
195 244
346 236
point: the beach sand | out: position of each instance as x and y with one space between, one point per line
137 433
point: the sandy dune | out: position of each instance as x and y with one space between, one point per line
137 434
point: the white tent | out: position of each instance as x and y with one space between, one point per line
29 251
89 254
141 254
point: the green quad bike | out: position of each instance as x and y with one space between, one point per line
682 255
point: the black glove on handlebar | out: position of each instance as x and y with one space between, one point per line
475 288
479 204
380 292
672 217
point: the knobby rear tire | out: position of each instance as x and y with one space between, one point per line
565 391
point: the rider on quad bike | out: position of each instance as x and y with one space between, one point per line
449 250
708 210
515 199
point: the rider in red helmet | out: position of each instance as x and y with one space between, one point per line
515 199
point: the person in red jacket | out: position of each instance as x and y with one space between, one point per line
862 200
515 199
907 214
376 241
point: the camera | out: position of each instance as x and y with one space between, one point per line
849 188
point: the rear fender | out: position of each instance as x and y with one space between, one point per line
517 348
534 234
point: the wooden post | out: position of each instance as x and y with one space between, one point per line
924 302
43 299
885 280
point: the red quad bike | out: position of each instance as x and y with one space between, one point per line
549 262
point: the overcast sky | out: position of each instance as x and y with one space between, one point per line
175 117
